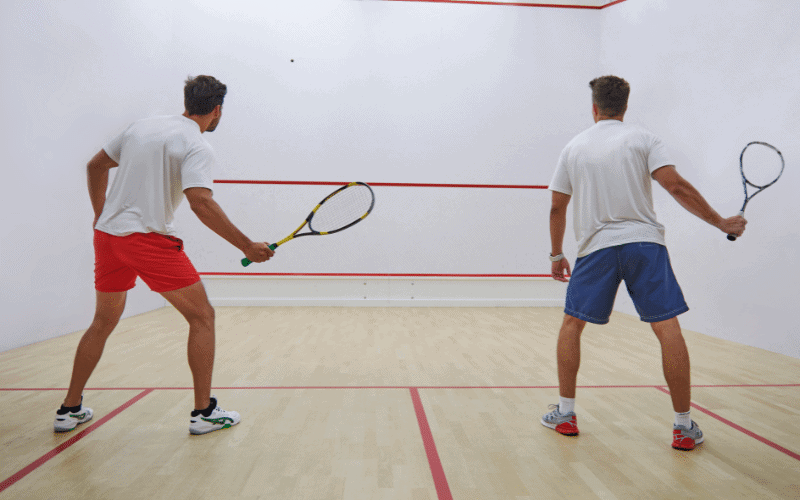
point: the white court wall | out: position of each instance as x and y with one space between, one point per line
401 93
404 93
709 77
398 92
72 74
378 91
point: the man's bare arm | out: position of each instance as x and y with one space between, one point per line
211 214
691 199
558 224
97 180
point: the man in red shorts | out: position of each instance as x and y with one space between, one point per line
159 160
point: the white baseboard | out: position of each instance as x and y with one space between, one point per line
303 301
384 292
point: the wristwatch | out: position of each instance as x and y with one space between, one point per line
556 258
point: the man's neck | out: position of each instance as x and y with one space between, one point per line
199 120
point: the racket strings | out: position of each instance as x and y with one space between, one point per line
343 208
761 164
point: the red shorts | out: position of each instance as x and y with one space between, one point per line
158 259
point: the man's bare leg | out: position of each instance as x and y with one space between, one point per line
192 302
568 353
108 311
675 360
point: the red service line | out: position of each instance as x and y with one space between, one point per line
739 427
382 184
406 387
66 444
516 4
383 275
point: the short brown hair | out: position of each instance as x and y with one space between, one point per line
610 94
202 94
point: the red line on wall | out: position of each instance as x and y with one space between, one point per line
383 275
515 4
741 429
437 471
382 184
66 444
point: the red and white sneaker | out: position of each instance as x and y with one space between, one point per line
686 439
566 424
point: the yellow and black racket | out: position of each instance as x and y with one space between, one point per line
339 210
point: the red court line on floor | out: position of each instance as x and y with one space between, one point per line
382 184
437 471
740 428
66 444
384 387
746 385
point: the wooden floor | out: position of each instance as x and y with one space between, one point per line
391 403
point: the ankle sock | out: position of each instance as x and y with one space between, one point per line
566 405
208 411
683 419
70 409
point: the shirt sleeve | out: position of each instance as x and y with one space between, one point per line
561 181
197 167
658 156
113 148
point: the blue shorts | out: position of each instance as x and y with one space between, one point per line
648 276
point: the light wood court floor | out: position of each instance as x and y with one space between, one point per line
391 403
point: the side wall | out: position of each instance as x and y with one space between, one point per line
710 78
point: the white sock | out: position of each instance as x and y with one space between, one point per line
683 419
566 405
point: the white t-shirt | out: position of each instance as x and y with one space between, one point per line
158 158
606 169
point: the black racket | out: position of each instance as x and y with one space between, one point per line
341 209
765 170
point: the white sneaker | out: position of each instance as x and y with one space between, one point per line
219 419
68 420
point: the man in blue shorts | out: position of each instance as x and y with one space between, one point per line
607 168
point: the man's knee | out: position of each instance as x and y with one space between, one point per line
106 321
573 323
667 329
202 315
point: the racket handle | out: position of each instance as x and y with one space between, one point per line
732 237
246 262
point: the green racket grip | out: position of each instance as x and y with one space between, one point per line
732 237
246 262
